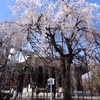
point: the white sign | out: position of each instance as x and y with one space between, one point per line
50 81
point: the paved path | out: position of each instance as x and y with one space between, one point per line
55 99
26 96
81 98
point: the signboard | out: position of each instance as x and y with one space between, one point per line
32 85
50 81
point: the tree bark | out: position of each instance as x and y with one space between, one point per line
66 80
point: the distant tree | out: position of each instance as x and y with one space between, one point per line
10 51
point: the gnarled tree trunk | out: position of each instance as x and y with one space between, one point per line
66 79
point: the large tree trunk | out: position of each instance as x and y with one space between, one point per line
66 80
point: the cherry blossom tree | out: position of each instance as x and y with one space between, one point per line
58 28
10 50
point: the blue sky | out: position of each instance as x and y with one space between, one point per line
5 12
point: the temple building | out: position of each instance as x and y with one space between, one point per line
38 70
